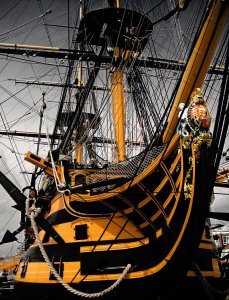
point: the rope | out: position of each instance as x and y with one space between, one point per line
60 186
32 213
210 291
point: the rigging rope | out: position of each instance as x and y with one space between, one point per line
210 291
60 186
32 212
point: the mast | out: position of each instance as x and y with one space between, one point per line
118 109
199 61
118 105
79 146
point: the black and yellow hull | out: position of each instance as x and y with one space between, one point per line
155 223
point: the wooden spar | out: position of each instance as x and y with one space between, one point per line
73 54
95 139
57 84
118 105
199 61
79 146
44 164
118 108
40 48
21 46
28 134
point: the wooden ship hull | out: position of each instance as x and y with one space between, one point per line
159 233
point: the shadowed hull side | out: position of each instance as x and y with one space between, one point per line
164 256
184 288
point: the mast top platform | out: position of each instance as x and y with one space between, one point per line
119 27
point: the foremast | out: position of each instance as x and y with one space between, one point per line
118 109
118 105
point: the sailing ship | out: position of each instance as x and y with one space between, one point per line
120 205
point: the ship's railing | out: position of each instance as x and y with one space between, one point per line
126 169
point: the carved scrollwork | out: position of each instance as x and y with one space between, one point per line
195 120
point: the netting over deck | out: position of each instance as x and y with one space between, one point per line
126 169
